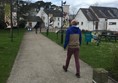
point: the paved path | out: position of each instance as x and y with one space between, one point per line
40 60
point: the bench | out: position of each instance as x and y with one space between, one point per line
108 36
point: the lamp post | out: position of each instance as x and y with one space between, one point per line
48 20
48 25
11 7
62 22
17 15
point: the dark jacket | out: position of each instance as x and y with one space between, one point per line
73 37
37 25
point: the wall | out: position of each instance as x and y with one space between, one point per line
43 16
57 21
87 25
102 24
111 26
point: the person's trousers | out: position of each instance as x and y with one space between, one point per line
74 51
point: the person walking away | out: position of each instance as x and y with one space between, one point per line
29 26
37 26
72 42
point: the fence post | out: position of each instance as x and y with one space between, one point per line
100 75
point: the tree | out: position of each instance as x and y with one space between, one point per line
2 10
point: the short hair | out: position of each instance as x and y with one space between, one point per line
74 22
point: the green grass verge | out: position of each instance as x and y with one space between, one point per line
54 37
8 51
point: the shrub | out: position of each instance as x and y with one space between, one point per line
22 23
2 24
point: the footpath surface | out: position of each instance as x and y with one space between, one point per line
40 60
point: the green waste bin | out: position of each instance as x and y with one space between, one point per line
88 37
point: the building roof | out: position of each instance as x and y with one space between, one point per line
33 18
89 14
56 13
105 12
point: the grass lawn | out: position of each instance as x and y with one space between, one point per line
96 56
8 51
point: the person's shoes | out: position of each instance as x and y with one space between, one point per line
64 68
77 75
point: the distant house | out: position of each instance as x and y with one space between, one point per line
33 19
98 18
55 18
51 18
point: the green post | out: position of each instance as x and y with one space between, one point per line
100 75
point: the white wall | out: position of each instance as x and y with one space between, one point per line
43 16
57 22
87 25
112 27
102 24
38 14
46 19
91 26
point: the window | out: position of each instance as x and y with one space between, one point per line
58 19
112 23
81 23
58 23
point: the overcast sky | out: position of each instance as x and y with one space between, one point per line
76 4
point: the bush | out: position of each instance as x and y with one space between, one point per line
22 23
2 24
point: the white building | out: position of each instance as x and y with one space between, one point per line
98 18
51 18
